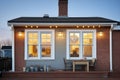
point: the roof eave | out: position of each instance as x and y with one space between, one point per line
61 24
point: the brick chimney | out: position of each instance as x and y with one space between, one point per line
63 7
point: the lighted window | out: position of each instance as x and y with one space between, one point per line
33 44
81 44
39 44
46 44
87 44
74 44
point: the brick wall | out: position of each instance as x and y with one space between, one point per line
19 50
116 51
102 46
103 52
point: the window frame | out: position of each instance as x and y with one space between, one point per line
81 44
26 57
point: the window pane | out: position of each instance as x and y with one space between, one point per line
43 36
46 41
33 44
43 41
87 51
32 35
46 51
87 41
33 41
46 35
33 50
74 38
87 35
46 44
87 44
74 51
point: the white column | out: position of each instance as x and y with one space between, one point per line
111 67
13 55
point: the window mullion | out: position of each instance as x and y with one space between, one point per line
94 44
68 45
39 43
81 45
51 44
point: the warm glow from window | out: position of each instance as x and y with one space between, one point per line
87 51
33 44
74 51
87 44
33 51
74 38
39 44
81 44
46 44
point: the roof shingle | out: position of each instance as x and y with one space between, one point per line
62 20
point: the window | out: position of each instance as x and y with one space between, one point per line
32 44
45 44
81 44
39 44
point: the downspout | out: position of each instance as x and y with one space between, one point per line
111 67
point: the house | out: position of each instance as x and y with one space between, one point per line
47 40
1 53
6 58
6 51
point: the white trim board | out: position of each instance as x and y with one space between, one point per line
81 45
13 50
60 24
39 32
111 67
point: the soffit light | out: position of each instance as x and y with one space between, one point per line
50 26
26 26
88 26
99 26
77 26
83 26
56 26
31 26
36 26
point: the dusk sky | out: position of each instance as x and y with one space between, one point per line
10 9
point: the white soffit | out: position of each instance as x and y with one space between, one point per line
60 24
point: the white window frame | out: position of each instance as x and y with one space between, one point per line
39 40
81 44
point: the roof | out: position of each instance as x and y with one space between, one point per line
6 47
119 23
62 20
